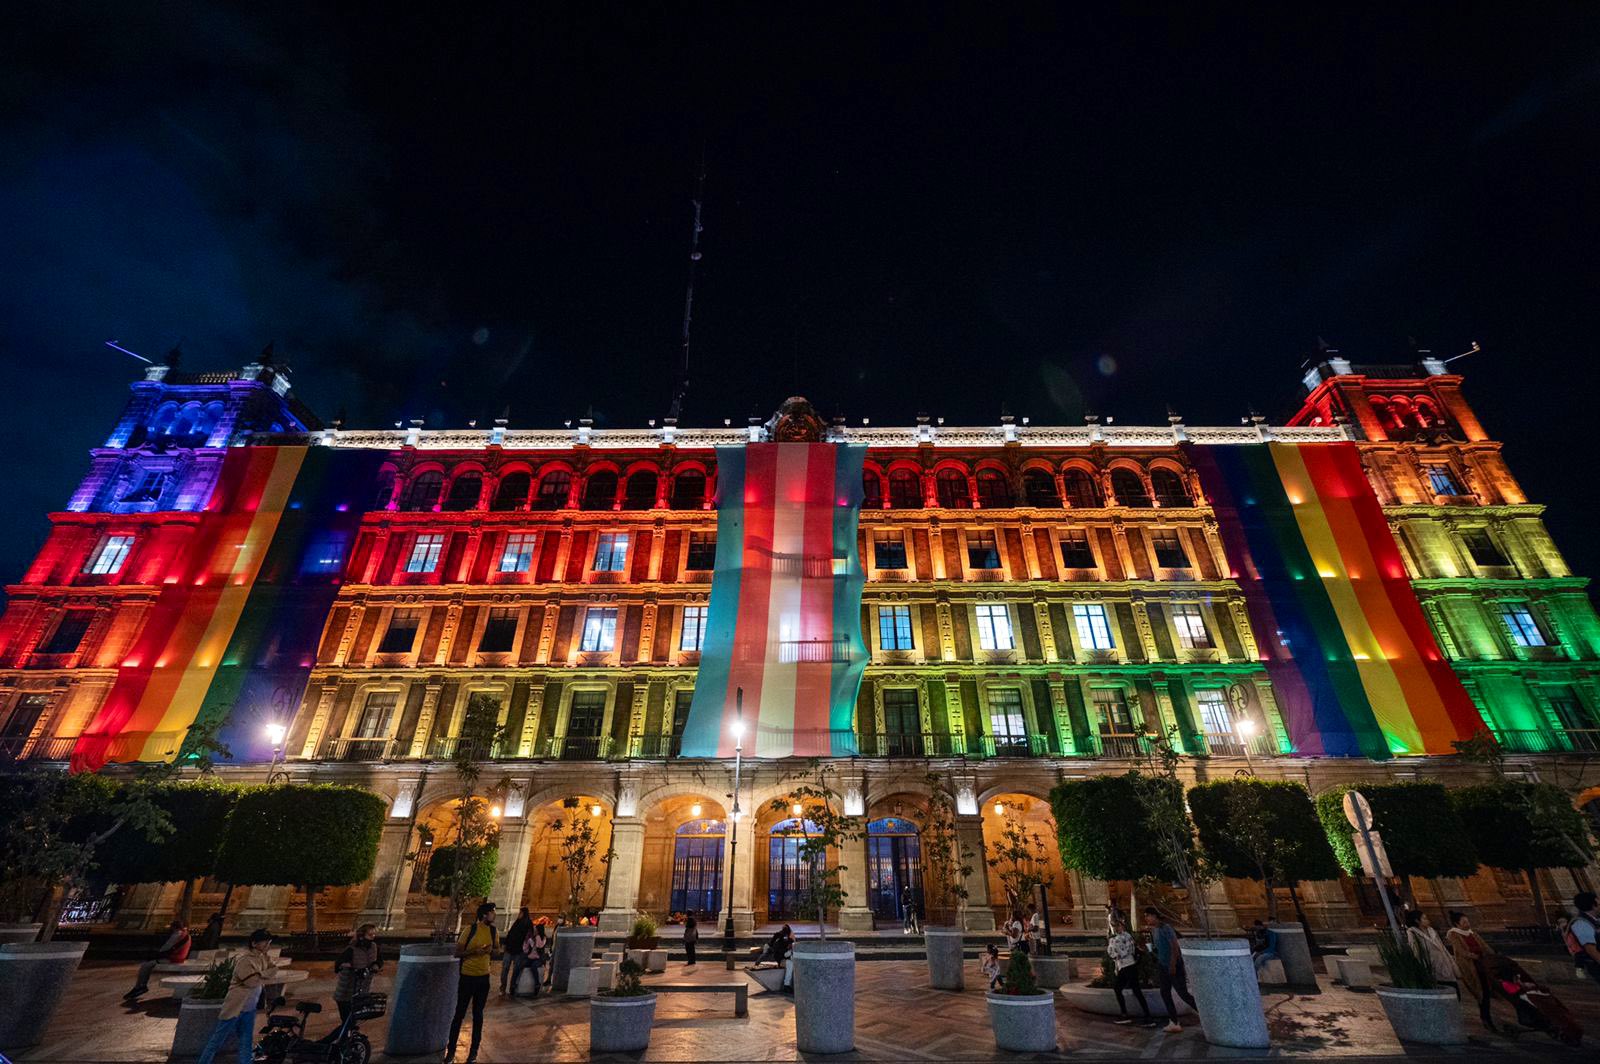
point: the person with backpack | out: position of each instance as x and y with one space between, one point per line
174 949
1581 934
1169 966
475 948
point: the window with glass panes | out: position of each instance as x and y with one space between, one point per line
952 490
554 491
681 701
1169 549
611 552
517 557
1215 717
24 715
1094 627
109 555
871 490
694 628
500 630
599 630
425 550
905 490
1006 722
1442 480
376 713
888 548
1569 708
401 633
982 550
894 627
702 551
994 626
1191 626
69 632
1482 547
1524 627
1112 715
1075 550
585 717
901 714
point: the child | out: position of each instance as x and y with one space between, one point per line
991 966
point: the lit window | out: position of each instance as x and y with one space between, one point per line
1006 722
1129 489
425 552
694 628
599 630
611 552
1169 549
69 632
401 633
1191 625
994 627
1482 547
1169 488
702 551
1094 630
1112 714
905 490
982 550
1075 550
517 557
889 548
500 630
376 713
894 627
109 555
1442 480
1523 625
1215 719
952 490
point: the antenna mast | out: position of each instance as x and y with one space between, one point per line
678 395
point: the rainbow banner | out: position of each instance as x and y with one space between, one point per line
785 619
1354 666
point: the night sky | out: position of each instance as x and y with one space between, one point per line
438 211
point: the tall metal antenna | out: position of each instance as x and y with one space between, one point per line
678 395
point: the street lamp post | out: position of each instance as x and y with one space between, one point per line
276 733
733 840
1247 731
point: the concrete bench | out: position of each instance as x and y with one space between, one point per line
1355 973
181 986
770 978
583 982
1271 972
740 992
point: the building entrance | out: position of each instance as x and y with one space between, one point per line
894 862
697 869
788 874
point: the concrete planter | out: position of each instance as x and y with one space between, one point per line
574 949
1056 970
1222 978
423 999
18 932
620 1024
1102 1001
1023 1023
946 958
1295 953
196 1020
34 977
824 996
1426 1017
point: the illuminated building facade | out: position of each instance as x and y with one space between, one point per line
1339 598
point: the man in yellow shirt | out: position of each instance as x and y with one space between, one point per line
475 948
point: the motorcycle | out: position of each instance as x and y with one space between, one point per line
283 1039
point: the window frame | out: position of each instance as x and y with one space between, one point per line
701 544
522 547
1435 472
74 616
991 618
895 540
97 565
1084 618
980 551
694 620
1066 542
606 549
426 550
894 627
496 622
1518 632
413 614
1163 541
1189 621
601 623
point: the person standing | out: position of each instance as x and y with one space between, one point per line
1013 932
174 949
536 948
991 965
1583 932
512 958
1169 966
1426 943
251 972
354 969
908 911
691 938
1035 928
1472 955
475 948
1123 950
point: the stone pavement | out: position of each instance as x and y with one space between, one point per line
897 1019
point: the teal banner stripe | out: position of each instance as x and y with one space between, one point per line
847 588
703 731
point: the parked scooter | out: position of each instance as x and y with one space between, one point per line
284 1041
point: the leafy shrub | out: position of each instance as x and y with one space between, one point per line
644 926
1408 969
477 870
628 983
215 985
1421 830
1019 978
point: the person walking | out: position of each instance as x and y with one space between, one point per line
1014 933
251 972
1472 955
691 938
1123 949
475 948
174 949
991 965
355 967
1169 966
1582 934
512 958
1426 943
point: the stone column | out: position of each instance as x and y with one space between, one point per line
319 719
385 904
511 867
976 914
622 883
855 915
744 917
266 907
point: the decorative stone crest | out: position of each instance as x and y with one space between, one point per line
796 421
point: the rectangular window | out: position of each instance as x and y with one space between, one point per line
69 632
1523 625
681 701
901 714
376 714
694 628
1482 547
517 557
1568 708
1075 550
982 551
994 627
702 551
585 719
325 554
1215 719
401 633
500 630
1442 480
1094 629
599 630
1191 626
108 555
1005 716
425 551
24 715
611 552
889 548
1169 549
1111 711
894 627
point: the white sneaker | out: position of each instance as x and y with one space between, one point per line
1173 1027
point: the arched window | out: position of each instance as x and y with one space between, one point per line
600 490
871 490
697 868
161 424
424 493
1039 488
905 490
554 490
641 493
1129 489
465 491
1428 414
1082 491
894 866
951 486
1169 488
689 490
512 494
994 490
383 492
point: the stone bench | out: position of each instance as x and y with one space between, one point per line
651 960
740 991
181 986
1356 973
1271 972
770 979
583 982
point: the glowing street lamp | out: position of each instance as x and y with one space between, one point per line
737 729
276 733
1247 730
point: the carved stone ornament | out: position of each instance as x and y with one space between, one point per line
796 422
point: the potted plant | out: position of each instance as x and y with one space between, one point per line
620 1018
946 864
642 936
1097 997
579 848
197 1016
1021 862
1022 1015
1419 1009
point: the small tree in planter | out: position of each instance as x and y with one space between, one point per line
1022 1015
1418 1009
476 832
198 811
1160 795
822 807
1421 830
197 1017
579 856
946 864
1100 832
472 876
620 1018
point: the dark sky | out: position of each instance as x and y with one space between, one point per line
438 210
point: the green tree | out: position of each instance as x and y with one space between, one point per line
946 860
472 875
578 854
198 811
1266 830
302 835
1421 831
1019 859
1099 827
822 807
1517 826
1160 795
476 831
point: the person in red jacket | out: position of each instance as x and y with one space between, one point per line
174 950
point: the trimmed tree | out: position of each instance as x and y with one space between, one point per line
302 835
198 811
1101 832
1265 830
578 852
1422 833
1517 826
474 865
824 809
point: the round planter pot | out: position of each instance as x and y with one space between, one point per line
1054 971
34 977
1426 1017
1295 953
620 1024
1023 1023
574 949
423 1000
1102 1001
946 957
1222 978
18 932
824 996
196 1020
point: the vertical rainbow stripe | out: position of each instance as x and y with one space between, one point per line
785 617
1353 664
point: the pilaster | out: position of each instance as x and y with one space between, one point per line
622 883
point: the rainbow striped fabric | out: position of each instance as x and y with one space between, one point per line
1353 664
785 619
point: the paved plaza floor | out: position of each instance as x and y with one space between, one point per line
897 1019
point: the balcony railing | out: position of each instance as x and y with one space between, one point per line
1008 746
1124 746
1227 744
1549 741
445 747
579 748
655 747
20 748
356 749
